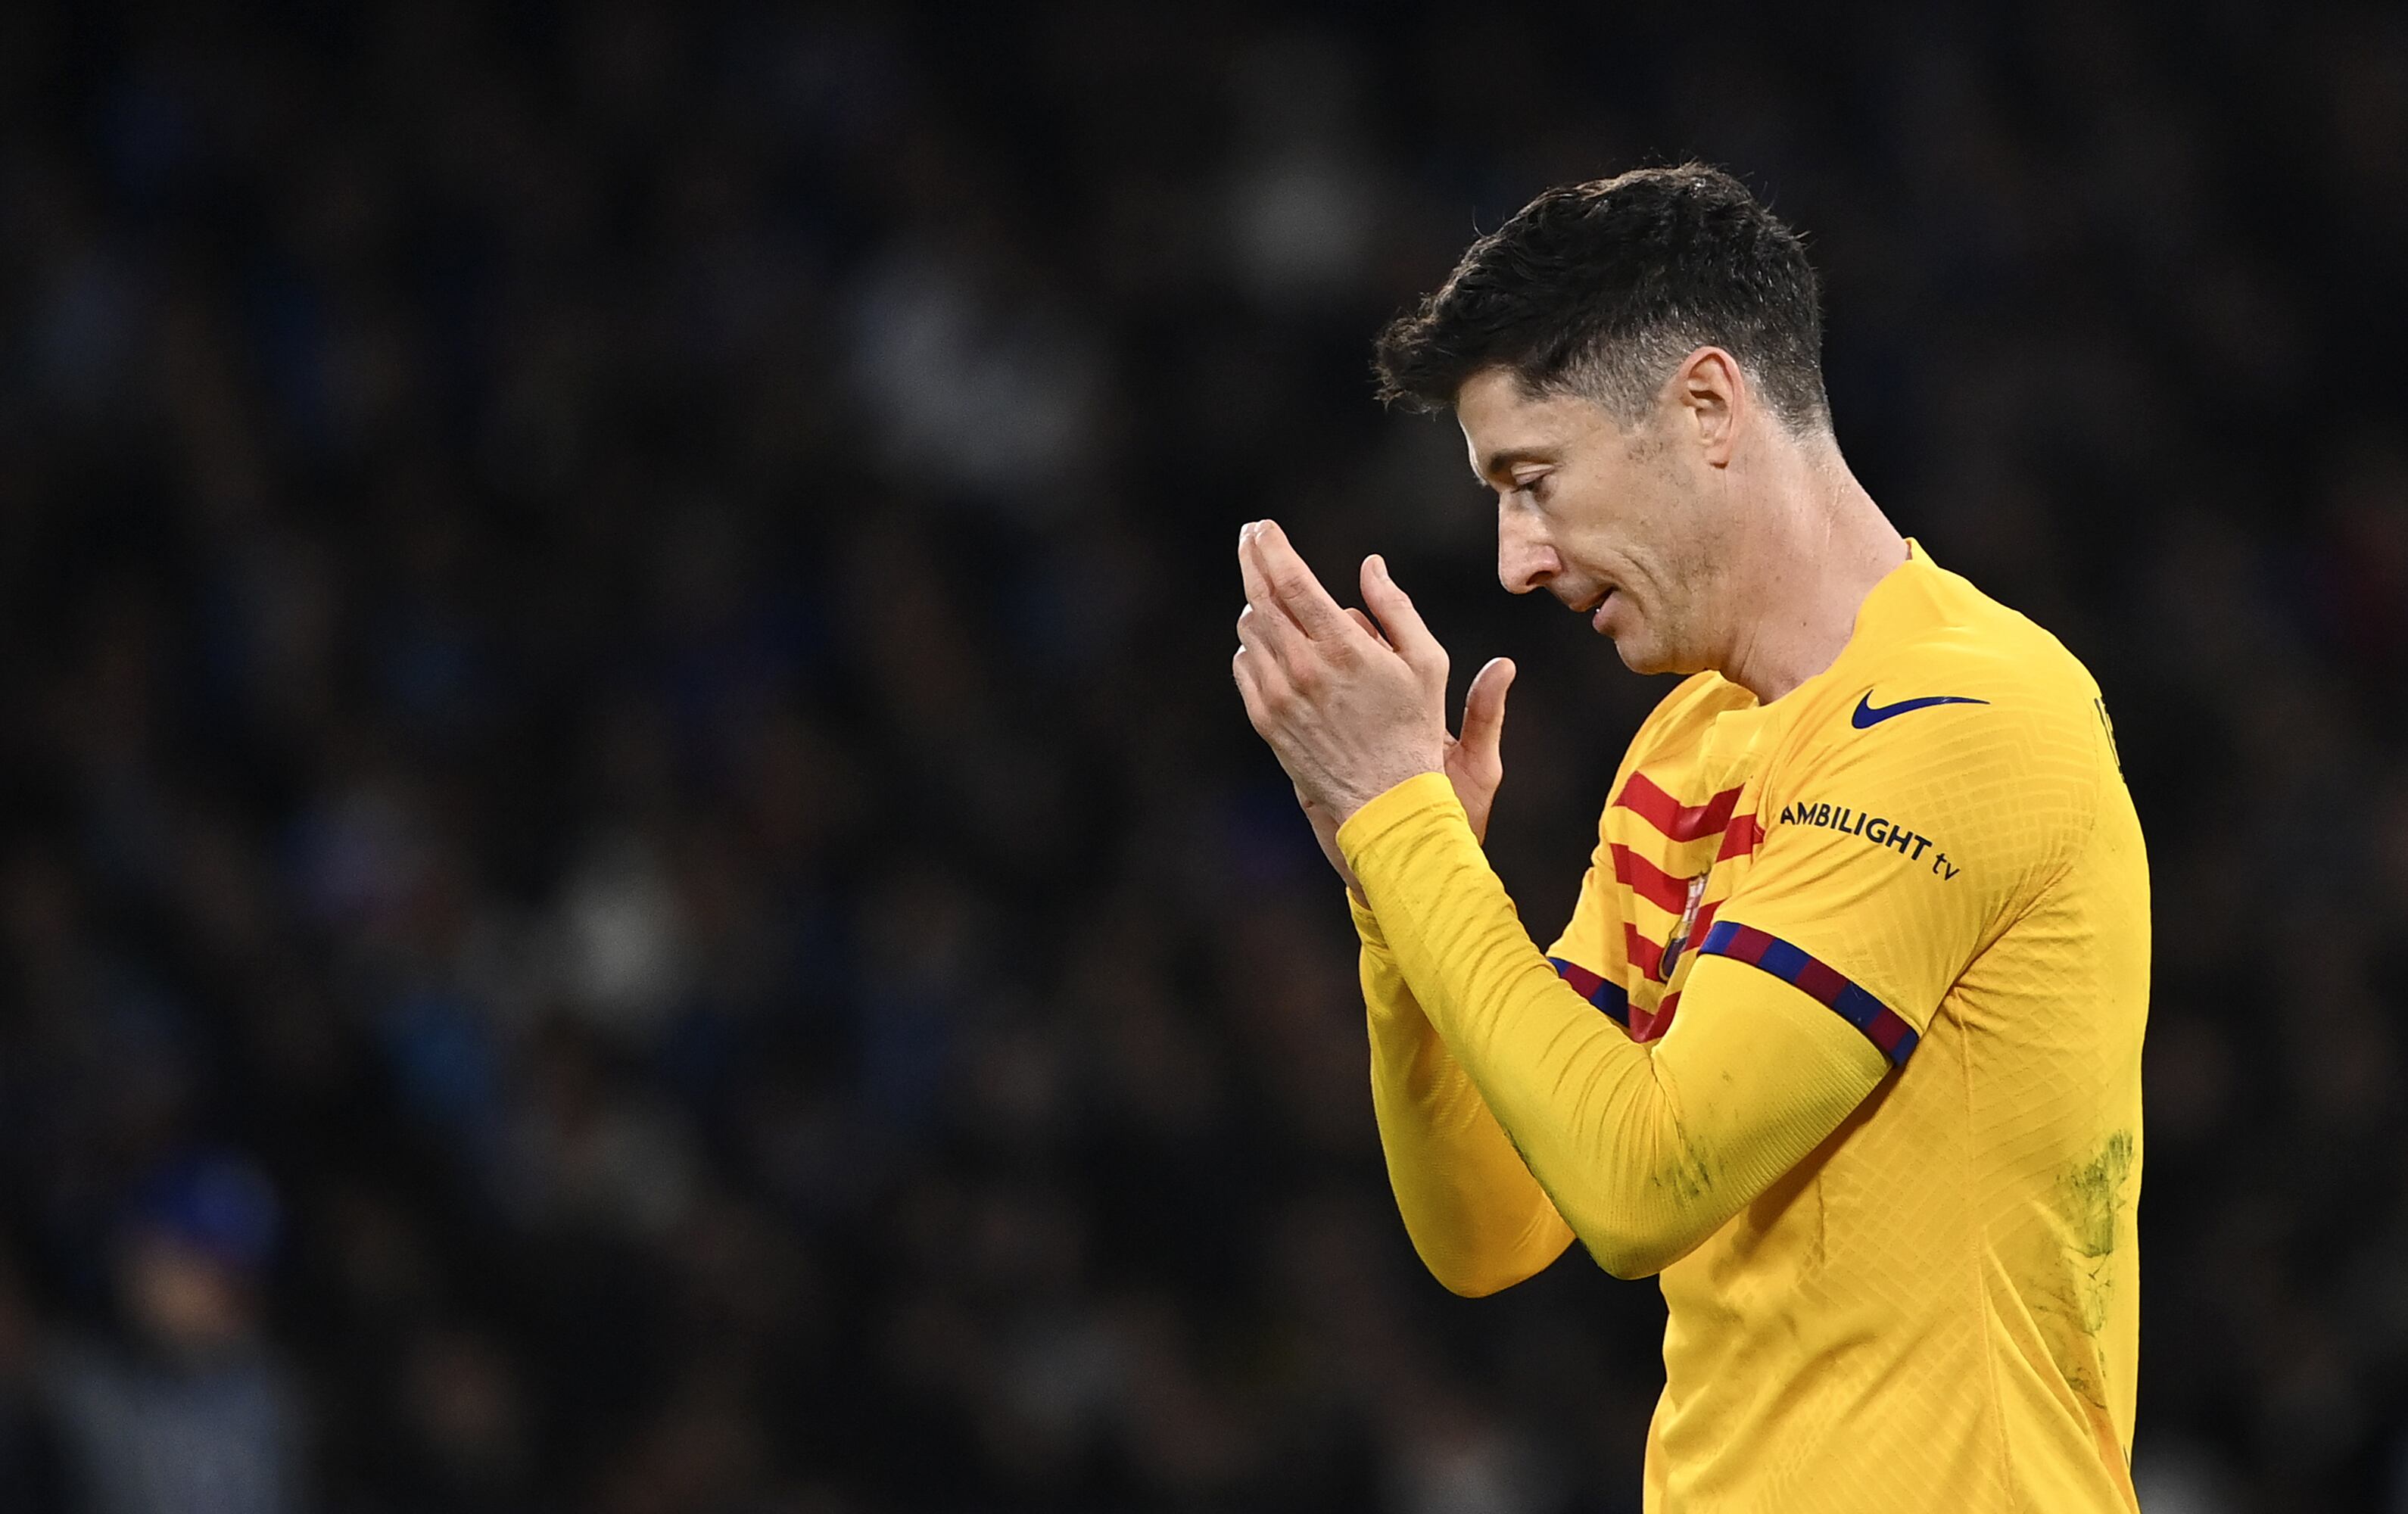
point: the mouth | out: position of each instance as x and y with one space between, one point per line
1595 609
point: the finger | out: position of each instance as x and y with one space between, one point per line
1483 708
1271 635
1293 586
1250 570
1403 624
1248 668
1274 647
1275 627
1370 627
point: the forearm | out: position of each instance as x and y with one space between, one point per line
1477 1218
1644 1149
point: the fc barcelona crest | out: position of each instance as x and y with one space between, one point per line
1680 940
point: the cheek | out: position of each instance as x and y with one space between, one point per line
1654 535
1607 504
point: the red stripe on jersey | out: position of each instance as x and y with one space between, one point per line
1645 954
1647 1025
1682 823
1741 839
1649 882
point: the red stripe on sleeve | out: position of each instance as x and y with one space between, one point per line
1584 983
1748 945
1821 980
1886 1031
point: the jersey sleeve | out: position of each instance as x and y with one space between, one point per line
1477 1219
1642 1150
1896 847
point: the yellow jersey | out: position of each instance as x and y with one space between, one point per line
1843 1041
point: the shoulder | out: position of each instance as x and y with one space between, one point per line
1970 674
2011 678
1980 723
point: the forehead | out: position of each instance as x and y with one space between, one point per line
1502 421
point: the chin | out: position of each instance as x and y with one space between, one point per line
1640 641
1640 657
1643 654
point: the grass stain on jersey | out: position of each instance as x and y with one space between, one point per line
2097 1190
1684 1173
2094 1193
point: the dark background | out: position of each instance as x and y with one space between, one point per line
617 624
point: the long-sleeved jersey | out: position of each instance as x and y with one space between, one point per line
1843 1041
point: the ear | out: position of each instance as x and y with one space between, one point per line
1711 392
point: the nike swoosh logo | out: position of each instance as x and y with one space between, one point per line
1869 714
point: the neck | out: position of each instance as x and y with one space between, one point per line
1823 545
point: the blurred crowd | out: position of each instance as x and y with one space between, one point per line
630 877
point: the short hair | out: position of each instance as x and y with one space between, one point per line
1600 289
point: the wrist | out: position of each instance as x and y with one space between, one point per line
1346 807
1394 805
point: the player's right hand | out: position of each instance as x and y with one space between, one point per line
1475 760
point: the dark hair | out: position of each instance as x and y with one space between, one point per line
1600 289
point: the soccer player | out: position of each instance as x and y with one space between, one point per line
1843 1038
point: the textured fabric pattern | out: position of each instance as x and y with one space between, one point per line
1929 847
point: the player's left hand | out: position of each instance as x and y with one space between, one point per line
1349 714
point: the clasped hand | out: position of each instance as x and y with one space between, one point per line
1354 705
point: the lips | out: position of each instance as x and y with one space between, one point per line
1596 611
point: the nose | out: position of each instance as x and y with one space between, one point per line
1524 559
